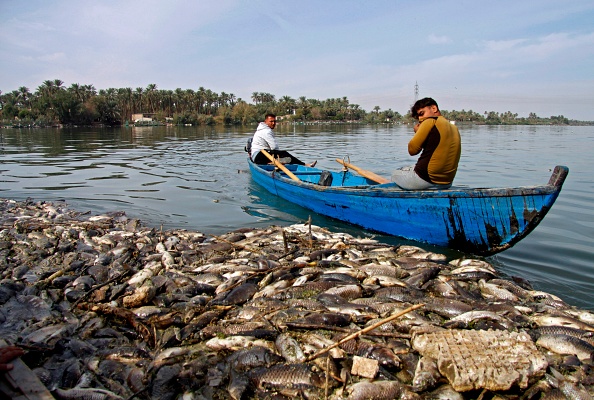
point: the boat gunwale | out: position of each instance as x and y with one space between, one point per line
554 185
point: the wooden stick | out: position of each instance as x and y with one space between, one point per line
363 172
362 331
280 165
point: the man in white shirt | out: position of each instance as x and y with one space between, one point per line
264 139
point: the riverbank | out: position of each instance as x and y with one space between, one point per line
106 306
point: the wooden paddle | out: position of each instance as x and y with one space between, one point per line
280 165
363 172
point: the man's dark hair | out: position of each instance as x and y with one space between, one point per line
269 115
425 102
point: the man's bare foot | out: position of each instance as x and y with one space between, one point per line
313 164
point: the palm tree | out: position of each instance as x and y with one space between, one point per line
88 92
232 99
150 96
210 100
168 101
59 84
125 102
190 100
76 91
267 98
138 100
24 97
287 104
256 98
46 88
178 101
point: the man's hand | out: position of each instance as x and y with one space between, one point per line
416 127
9 353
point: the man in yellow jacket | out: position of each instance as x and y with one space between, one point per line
439 143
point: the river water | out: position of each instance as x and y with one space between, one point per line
197 178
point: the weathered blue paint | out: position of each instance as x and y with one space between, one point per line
478 221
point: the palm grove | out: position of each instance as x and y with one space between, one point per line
55 104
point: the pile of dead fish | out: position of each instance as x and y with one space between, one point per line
108 309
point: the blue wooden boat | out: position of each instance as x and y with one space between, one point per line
480 221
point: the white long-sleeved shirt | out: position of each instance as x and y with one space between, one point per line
263 139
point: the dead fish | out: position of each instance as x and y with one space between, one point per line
564 330
289 348
305 291
426 374
321 320
253 357
348 292
315 342
142 295
238 384
418 253
151 269
422 276
565 344
342 278
561 320
375 351
247 328
231 342
376 390
441 287
384 281
472 264
444 392
86 394
448 308
124 354
472 275
398 293
338 304
381 270
583 315
322 254
490 290
165 385
209 278
512 287
572 390
48 335
295 376
168 260
236 296
274 288
472 316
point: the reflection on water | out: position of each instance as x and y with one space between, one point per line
197 178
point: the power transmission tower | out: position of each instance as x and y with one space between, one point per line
416 92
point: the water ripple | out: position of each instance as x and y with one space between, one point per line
197 178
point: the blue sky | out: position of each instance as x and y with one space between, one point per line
520 56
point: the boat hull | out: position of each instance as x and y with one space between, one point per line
477 221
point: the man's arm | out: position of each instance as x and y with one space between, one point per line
270 139
422 130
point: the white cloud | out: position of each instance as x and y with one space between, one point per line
434 39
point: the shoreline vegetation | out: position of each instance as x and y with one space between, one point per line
53 104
